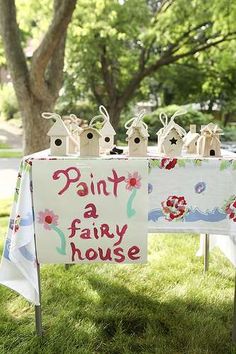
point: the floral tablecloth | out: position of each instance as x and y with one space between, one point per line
185 195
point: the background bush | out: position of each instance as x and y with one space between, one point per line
8 102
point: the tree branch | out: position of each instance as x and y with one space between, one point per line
167 58
95 92
16 60
63 10
54 75
107 74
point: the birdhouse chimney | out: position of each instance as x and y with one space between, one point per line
193 128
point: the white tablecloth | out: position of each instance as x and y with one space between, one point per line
185 195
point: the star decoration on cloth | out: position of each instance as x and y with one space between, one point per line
173 141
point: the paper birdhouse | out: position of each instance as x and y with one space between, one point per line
190 140
170 137
137 136
107 132
59 135
209 142
89 141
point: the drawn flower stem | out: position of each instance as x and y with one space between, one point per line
62 248
130 211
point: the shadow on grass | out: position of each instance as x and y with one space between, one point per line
95 313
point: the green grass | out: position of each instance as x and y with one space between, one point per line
4 145
10 154
165 306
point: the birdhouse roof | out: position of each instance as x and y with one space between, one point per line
212 128
90 129
190 138
107 129
58 129
137 130
170 126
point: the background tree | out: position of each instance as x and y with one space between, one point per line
116 45
36 83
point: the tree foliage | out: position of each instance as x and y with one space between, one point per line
114 46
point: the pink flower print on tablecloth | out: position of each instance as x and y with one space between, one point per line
174 207
230 208
133 181
47 218
168 164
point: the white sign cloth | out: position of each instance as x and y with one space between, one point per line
94 210
185 194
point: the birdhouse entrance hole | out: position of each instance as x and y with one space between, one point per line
58 142
89 135
137 140
212 153
107 139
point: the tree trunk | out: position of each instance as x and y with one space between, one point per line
227 117
34 126
37 86
115 112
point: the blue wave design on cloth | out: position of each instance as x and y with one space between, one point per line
155 214
211 216
7 249
26 254
192 215
23 221
26 221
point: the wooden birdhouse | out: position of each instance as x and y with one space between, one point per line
107 140
209 142
59 135
107 131
89 141
137 136
72 122
190 140
170 138
137 141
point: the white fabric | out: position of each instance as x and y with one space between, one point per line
227 245
167 178
192 195
18 268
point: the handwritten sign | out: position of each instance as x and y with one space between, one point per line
90 210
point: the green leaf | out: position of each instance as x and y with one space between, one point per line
225 164
181 163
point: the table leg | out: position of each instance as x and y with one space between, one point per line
38 310
234 315
206 252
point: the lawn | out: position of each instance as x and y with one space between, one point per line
10 153
166 306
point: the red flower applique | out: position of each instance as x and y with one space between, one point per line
230 208
168 164
174 207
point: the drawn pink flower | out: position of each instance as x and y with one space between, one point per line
230 208
47 218
174 207
133 181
